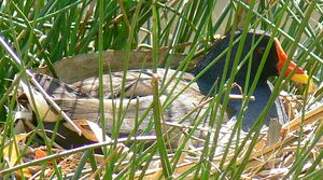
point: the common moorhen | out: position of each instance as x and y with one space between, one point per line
80 100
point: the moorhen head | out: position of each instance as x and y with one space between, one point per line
256 44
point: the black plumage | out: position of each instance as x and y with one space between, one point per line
258 43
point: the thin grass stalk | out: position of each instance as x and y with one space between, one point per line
223 15
188 172
8 132
110 8
24 72
147 159
74 31
134 148
176 14
181 26
233 74
166 86
81 165
315 175
29 25
215 107
72 151
176 32
100 71
282 32
27 73
315 164
45 15
255 130
155 37
299 162
199 120
245 101
119 119
305 151
256 127
297 39
184 64
161 145
133 161
274 94
309 31
93 163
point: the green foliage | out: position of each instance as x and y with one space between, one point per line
45 31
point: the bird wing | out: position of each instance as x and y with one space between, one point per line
136 83
262 94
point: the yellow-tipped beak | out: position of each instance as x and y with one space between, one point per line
304 79
300 78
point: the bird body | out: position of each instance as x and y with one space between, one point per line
180 96
181 101
254 108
